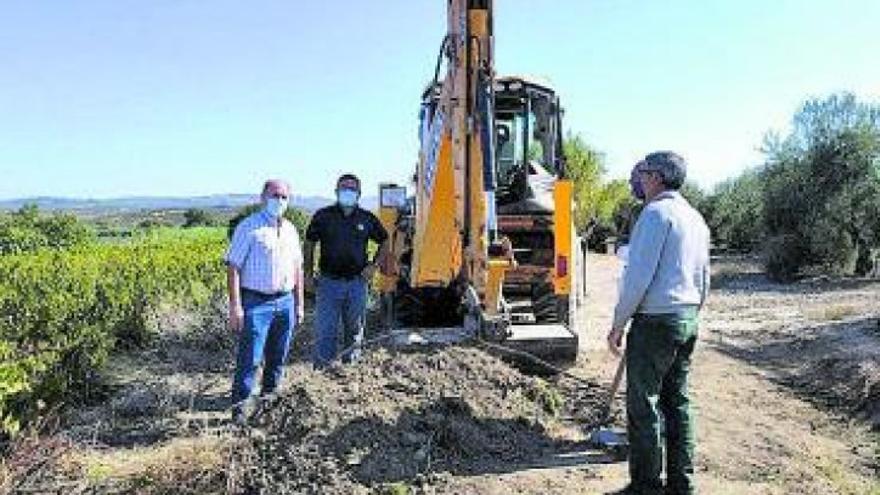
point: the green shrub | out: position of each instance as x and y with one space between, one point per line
27 230
695 195
821 187
735 212
547 396
156 220
197 217
783 256
63 311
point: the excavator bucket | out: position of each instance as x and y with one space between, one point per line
554 344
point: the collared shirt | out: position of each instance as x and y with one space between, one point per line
267 255
668 261
343 239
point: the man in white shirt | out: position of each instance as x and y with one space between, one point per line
265 285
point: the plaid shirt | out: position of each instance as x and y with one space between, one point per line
267 256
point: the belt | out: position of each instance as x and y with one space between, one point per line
682 312
347 278
256 293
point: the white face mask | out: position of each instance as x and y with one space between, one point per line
347 198
276 207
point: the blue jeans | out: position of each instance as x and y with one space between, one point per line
339 301
268 329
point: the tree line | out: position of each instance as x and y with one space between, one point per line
812 206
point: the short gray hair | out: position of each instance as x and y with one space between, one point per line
270 182
669 165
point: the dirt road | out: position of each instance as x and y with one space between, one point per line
786 384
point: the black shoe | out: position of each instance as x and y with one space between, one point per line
638 490
269 396
239 418
241 412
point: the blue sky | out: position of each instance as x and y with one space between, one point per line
183 97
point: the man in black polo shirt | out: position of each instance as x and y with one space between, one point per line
343 231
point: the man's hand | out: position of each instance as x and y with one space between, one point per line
236 317
368 272
615 341
300 314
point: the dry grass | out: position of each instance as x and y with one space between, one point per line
194 465
24 459
5 476
841 478
832 312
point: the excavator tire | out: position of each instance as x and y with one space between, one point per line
545 303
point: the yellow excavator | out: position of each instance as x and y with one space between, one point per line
484 246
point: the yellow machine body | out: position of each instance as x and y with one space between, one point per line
563 237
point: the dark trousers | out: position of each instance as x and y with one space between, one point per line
658 358
339 303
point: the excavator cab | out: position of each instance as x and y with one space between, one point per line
528 145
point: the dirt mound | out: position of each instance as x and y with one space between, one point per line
841 368
406 418
849 384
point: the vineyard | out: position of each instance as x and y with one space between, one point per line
64 309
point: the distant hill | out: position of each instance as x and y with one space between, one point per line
149 203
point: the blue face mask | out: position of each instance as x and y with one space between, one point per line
636 189
635 184
347 198
276 207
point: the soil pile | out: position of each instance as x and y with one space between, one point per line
844 371
408 419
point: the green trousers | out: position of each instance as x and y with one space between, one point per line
658 359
